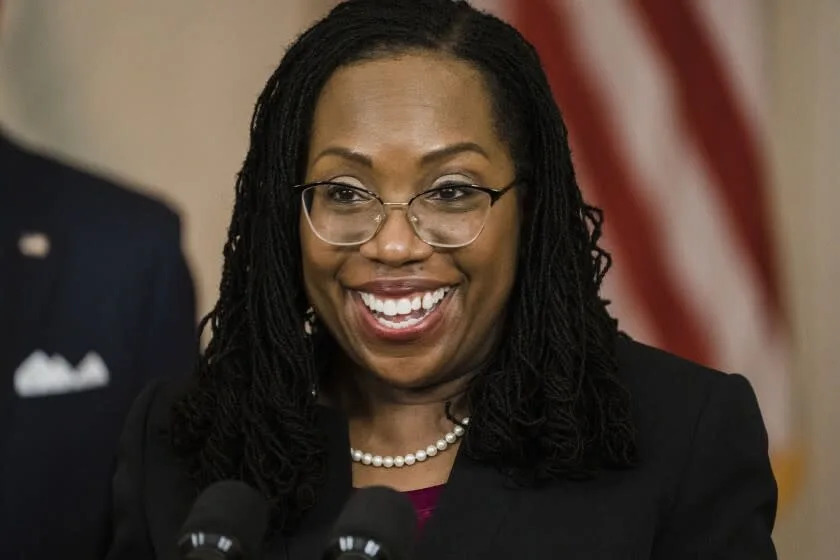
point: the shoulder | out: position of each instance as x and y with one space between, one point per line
151 490
703 444
150 415
146 440
663 385
84 197
676 402
685 411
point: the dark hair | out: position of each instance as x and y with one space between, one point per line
548 406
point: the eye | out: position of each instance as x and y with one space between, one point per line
451 192
345 194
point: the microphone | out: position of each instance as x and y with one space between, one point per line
378 523
228 521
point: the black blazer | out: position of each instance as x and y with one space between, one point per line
113 285
702 490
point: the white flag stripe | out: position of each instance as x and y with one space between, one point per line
738 33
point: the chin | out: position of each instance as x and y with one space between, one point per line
405 373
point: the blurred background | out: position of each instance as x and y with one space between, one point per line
707 130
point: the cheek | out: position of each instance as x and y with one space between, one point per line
490 265
320 263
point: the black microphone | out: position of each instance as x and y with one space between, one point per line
377 523
228 521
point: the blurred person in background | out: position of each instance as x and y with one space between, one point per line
96 299
410 298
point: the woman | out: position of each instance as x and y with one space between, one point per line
410 298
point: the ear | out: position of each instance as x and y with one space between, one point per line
310 321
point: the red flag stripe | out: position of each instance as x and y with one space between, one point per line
613 183
714 122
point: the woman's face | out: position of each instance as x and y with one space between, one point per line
398 127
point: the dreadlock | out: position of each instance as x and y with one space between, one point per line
549 405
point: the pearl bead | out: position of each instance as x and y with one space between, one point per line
357 455
399 461
465 421
420 455
377 461
367 458
458 431
450 438
409 459
387 462
431 451
441 444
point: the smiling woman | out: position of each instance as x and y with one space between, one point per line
410 298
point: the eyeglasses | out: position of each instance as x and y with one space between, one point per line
449 216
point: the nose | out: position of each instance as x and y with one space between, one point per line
396 244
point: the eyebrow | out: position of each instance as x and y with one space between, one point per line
429 157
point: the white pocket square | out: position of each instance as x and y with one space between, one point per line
41 375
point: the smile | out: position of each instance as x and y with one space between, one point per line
405 312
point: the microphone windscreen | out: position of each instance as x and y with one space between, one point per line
231 512
381 515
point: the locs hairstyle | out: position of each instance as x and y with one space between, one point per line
548 406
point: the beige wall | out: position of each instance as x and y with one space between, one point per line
805 131
160 93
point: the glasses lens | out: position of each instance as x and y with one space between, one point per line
451 216
341 214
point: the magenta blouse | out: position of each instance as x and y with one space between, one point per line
424 500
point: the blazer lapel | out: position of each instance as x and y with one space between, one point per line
27 284
32 251
311 538
472 509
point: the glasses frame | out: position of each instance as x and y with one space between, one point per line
495 195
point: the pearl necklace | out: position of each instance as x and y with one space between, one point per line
418 456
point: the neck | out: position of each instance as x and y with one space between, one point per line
386 419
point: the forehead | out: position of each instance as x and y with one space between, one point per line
412 100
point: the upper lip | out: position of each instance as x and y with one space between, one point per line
400 286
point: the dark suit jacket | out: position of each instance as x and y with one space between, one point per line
114 284
703 488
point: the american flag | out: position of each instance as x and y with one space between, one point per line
665 102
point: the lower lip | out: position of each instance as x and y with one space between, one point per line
374 328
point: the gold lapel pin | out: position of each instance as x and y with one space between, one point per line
34 244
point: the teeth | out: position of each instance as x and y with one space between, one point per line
402 306
389 307
400 325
